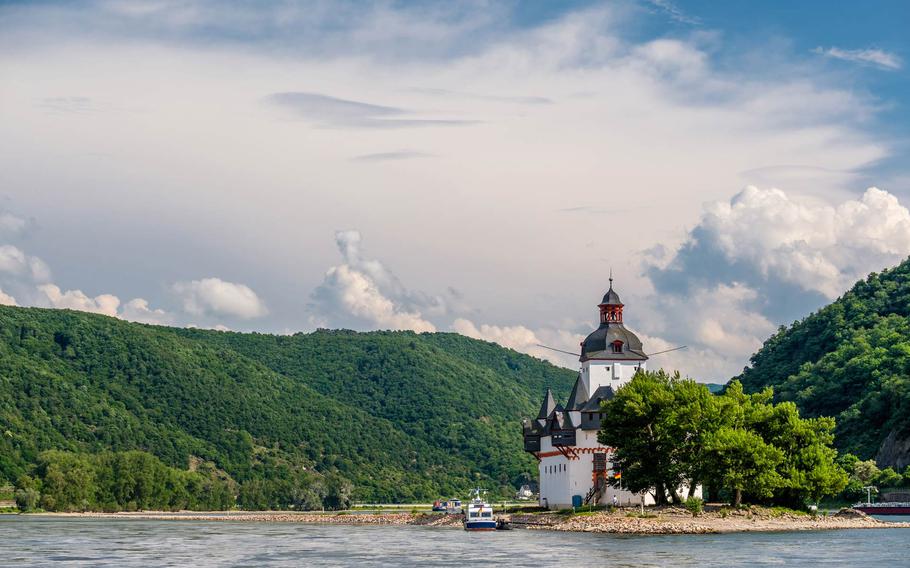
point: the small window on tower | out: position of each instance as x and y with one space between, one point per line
617 347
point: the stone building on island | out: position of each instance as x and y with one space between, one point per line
573 466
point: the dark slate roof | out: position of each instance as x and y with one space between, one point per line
575 399
611 298
599 344
602 393
548 406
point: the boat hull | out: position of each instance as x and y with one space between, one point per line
480 525
873 510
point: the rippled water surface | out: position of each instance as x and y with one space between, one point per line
32 541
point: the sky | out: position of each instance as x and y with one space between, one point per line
477 167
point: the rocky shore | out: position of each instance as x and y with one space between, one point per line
665 520
676 520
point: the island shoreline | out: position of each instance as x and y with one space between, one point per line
665 522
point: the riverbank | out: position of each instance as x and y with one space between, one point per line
676 520
664 520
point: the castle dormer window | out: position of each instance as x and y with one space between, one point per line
617 346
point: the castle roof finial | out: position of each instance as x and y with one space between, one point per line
611 297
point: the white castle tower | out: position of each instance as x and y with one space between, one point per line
574 467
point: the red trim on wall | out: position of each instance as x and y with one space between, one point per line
577 451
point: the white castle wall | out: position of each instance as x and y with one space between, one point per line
600 373
561 478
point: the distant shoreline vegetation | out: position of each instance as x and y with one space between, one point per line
138 481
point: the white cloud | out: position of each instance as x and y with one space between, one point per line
720 325
355 294
761 259
15 262
138 310
878 57
516 337
363 293
817 246
675 13
327 111
214 296
6 299
525 340
12 225
54 297
30 277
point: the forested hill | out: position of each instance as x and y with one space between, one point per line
403 416
849 360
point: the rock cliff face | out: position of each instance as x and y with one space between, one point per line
895 452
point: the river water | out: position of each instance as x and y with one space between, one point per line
33 541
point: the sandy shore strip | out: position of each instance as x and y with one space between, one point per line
666 520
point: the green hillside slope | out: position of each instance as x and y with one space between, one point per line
850 360
403 416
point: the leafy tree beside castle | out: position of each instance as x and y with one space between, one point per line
668 432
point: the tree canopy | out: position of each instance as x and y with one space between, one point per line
668 432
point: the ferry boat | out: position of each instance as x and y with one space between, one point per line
479 515
883 508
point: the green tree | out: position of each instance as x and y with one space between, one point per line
68 481
809 469
338 492
636 425
743 462
888 478
308 492
256 495
866 471
27 499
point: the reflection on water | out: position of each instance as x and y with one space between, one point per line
32 541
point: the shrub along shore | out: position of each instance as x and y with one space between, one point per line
656 520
